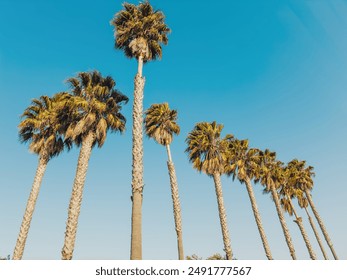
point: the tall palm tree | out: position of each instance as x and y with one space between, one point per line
161 125
305 183
40 127
208 154
243 163
94 109
269 175
140 32
287 192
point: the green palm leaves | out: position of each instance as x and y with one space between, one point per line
206 150
140 31
160 123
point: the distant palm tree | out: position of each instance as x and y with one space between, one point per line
40 127
93 110
208 154
160 124
305 183
243 164
303 203
139 32
287 192
269 176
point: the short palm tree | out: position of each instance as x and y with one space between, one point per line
243 164
287 192
140 31
40 127
208 154
161 125
93 110
269 175
305 183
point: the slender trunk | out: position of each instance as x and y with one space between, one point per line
320 222
137 167
283 222
176 204
222 216
317 235
76 197
30 208
298 221
258 219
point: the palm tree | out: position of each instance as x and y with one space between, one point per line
93 110
160 124
305 183
303 203
140 32
269 175
287 192
208 154
242 164
40 127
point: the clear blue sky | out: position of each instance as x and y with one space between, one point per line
274 72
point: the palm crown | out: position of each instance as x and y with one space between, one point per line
95 107
207 151
243 162
41 126
140 31
160 123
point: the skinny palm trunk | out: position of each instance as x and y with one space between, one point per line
30 208
222 216
137 166
283 223
317 235
298 221
320 222
176 204
258 219
76 197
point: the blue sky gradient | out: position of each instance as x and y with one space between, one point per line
273 72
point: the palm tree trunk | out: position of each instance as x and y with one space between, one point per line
222 216
320 222
30 208
317 235
258 219
176 204
283 222
298 221
137 167
76 196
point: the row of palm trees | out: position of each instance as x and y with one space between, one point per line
214 155
83 116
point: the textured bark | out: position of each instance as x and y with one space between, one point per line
137 170
222 216
283 223
176 207
30 208
320 222
76 197
298 221
317 235
258 219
